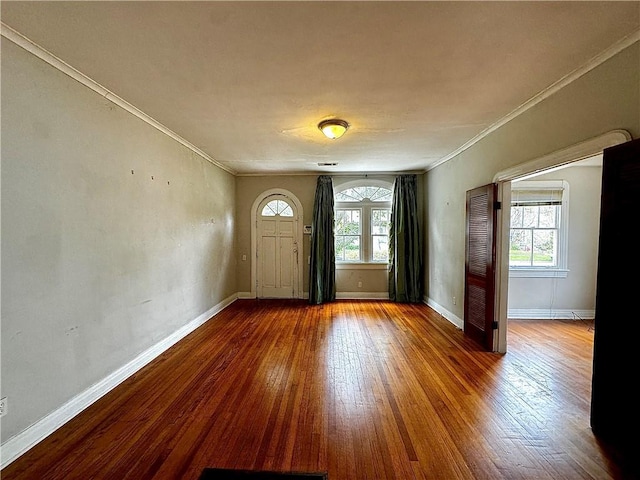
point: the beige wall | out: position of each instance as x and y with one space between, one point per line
114 236
607 98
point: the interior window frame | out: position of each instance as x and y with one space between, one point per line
367 207
560 270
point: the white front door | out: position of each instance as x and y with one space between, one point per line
277 248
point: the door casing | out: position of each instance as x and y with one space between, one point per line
580 151
298 234
277 252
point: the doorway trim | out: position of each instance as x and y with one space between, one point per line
298 237
574 153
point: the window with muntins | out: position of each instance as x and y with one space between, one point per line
362 216
277 207
538 229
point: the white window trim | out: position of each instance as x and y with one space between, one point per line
365 218
537 272
361 266
353 207
562 270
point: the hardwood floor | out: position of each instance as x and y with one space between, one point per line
366 390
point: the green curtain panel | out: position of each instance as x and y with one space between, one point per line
405 249
322 275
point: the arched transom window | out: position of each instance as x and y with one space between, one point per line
364 193
362 216
277 207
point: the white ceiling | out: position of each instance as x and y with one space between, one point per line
248 82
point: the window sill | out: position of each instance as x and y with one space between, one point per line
361 266
538 273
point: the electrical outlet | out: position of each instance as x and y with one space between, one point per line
454 300
3 406
360 284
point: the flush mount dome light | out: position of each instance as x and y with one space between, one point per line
333 128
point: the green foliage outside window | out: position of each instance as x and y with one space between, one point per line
380 218
534 235
362 234
347 235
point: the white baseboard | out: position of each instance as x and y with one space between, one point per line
339 295
550 314
457 321
23 441
517 314
362 295
250 295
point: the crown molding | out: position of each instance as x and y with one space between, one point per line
546 93
22 41
331 174
48 57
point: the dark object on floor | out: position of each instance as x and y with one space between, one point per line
229 474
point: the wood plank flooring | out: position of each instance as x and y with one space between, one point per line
365 390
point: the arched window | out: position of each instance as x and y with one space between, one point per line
277 207
362 215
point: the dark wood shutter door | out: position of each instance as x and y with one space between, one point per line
480 253
615 412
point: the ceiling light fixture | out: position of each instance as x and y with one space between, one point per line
333 128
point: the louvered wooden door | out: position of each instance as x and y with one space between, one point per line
480 253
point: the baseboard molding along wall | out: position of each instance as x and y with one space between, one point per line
549 314
520 314
23 441
453 318
250 295
339 295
